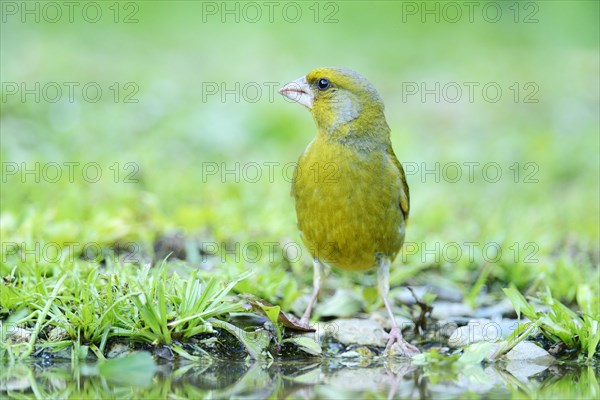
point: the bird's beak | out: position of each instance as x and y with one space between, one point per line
299 91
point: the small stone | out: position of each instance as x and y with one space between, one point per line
446 328
164 352
350 354
118 350
364 352
64 354
557 349
18 335
57 334
364 332
529 351
527 359
476 330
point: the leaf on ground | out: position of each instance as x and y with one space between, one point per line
287 320
255 342
272 312
306 344
476 353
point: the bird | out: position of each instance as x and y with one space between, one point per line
351 196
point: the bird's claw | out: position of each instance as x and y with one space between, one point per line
406 349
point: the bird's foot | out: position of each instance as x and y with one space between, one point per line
406 349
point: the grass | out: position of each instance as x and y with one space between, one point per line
86 306
560 324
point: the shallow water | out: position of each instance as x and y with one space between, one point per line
319 378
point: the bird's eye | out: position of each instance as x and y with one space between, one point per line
323 84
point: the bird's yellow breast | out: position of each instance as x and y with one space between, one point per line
348 204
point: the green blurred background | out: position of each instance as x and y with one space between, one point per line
170 56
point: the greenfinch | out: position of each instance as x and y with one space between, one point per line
350 190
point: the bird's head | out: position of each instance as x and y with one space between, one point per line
340 100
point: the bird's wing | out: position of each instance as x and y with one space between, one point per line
404 192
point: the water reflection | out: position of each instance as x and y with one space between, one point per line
298 379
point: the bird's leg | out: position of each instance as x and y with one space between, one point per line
395 335
317 277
